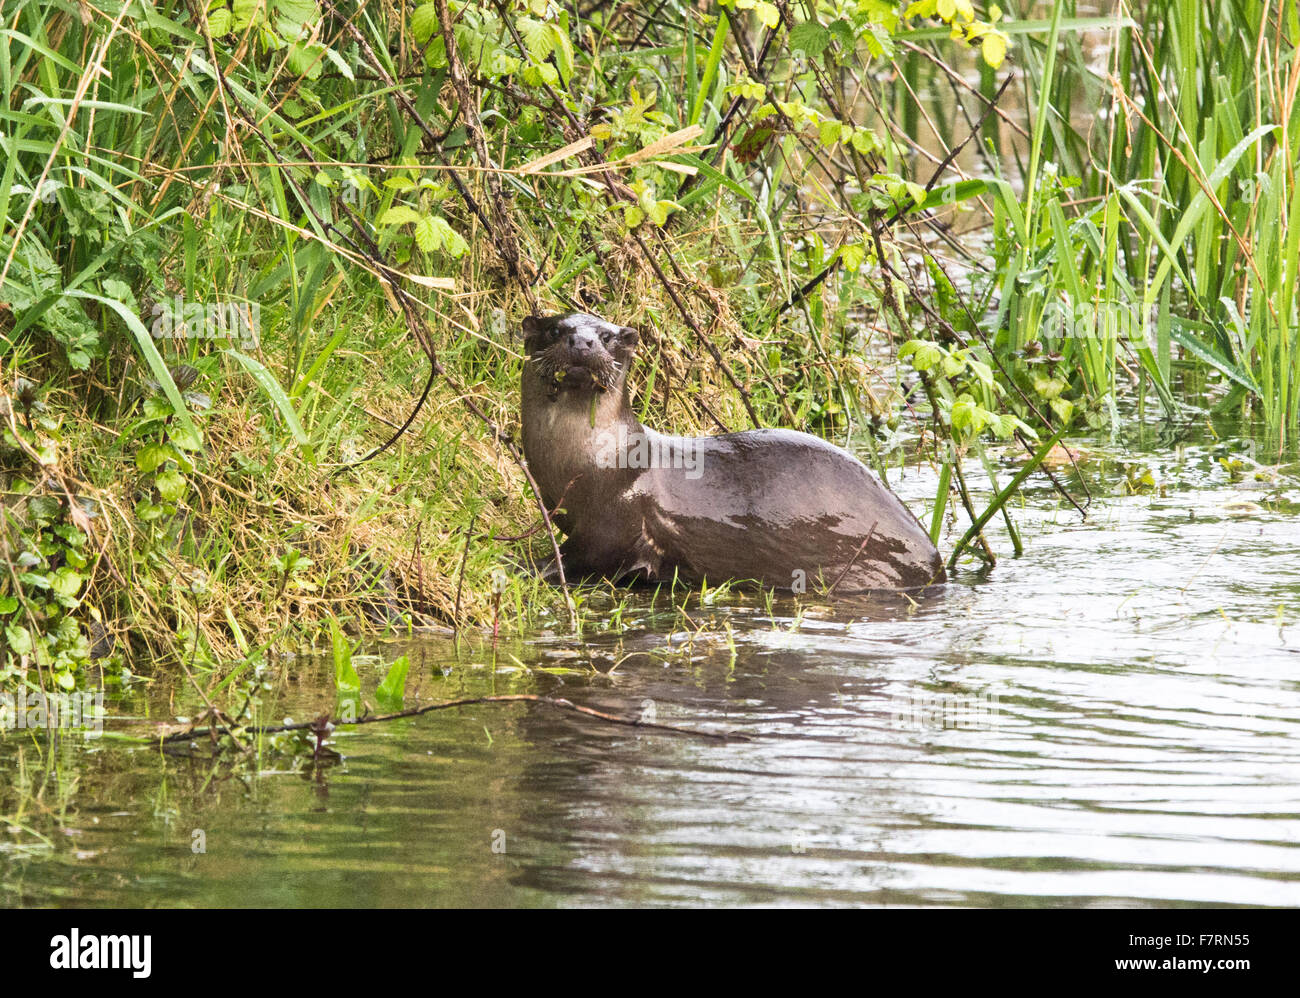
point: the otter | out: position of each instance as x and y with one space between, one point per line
784 509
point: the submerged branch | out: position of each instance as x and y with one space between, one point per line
322 726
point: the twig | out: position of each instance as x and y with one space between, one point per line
840 578
460 578
557 702
943 165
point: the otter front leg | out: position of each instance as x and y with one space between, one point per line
609 554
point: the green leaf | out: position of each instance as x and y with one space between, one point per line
924 354
424 22
246 12
399 214
151 355
66 582
427 235
961 190
852 254
810 37
963 413
394 684
340 64
220 22
151 457
273 390
19 639
767 13
44 509
538 37
563 53
345 676
829 132
295 16
147 511
185 438
171 485
451 240
306 59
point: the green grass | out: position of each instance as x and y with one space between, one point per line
336 190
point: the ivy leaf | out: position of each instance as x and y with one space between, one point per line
42 509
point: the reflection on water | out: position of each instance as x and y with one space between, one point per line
1112 719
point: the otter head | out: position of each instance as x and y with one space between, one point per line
578 353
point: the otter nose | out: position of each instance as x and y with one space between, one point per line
583 342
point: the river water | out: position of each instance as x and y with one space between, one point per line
1111 719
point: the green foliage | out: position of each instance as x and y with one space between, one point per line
390 691
47 562
345 675
770 170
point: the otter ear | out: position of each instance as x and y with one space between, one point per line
535 329
629 337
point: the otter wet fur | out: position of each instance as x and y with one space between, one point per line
784 509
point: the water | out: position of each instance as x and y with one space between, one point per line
1134 683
